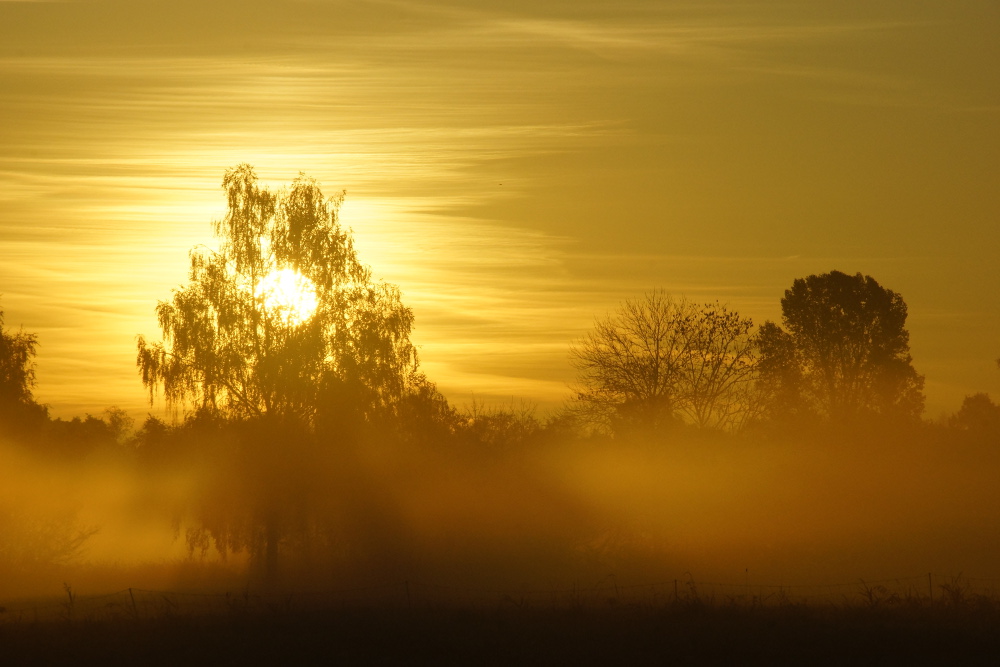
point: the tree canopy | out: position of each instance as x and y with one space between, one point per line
280 338
281 316
659 361
17 380
843 352
17 372
978 414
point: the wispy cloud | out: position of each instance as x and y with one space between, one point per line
115 130
619 28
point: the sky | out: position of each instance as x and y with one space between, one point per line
517 168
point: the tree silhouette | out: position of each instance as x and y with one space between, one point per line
657 362
720 369
844 352
18 409
279 337
237 342
978 414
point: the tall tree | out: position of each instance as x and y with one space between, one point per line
658 361
279 330
843 352
281 312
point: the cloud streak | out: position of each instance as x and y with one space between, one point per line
516 171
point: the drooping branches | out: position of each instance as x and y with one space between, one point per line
231 343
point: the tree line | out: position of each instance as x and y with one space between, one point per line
841 354
289 360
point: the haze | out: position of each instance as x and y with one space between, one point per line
517 173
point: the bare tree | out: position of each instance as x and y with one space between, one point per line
720 369
658 361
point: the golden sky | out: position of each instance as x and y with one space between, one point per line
517 168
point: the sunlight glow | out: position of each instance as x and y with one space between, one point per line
290 294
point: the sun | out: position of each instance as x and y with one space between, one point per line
289 294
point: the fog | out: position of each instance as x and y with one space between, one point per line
213 509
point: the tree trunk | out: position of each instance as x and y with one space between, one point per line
271 536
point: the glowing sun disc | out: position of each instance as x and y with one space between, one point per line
290 294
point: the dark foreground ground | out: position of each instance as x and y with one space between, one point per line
616 635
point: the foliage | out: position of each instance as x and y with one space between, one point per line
978 414
499 430
120 424
844 352
280 340
77 438
17 371
230 346
18 409
658 361
425 416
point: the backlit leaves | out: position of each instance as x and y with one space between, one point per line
228 346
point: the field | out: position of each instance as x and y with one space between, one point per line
402 623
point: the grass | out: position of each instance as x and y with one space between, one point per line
873 626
